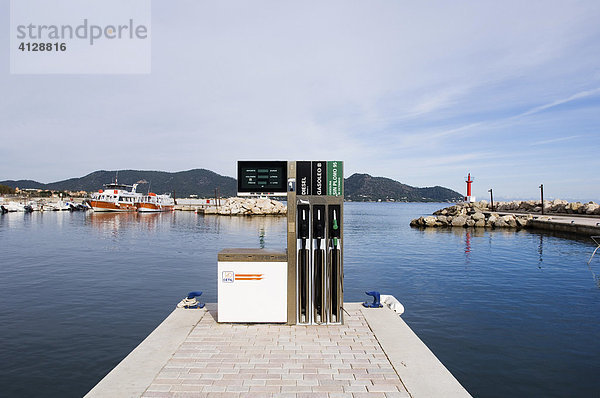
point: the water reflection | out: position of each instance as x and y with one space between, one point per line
541 251
150 220
590 262
118 221
23 219
261 237
111 222
543 244
594 276
468 248
468 243
264 228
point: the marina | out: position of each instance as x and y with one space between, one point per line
280 325
505 311
453 252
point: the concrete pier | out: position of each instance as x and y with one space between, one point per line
374 354
570 223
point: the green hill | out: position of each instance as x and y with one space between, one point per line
365 188
201 182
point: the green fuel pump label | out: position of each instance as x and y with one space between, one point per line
335 178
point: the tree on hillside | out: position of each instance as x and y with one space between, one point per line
6 190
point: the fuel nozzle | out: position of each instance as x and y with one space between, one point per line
334 223
335 228
303 221
319 222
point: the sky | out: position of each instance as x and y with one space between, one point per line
423 92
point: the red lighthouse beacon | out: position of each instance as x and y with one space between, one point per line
469 198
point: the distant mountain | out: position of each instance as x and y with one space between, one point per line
201 182
24 184
365 188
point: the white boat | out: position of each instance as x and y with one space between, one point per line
155 203
116 197
62 206
49 206
35 206
14 206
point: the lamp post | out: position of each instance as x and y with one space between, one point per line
491 198
542 193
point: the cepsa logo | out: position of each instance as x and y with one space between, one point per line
228 276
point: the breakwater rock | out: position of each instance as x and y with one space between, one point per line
479 214
557 206
471 215
248 207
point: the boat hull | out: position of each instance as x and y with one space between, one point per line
153 208
98 205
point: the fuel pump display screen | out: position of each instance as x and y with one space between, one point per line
262 176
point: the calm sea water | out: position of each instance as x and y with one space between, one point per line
509 313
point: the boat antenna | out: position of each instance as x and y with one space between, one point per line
117 177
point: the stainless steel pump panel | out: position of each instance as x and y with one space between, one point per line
318 225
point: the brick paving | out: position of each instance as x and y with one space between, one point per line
225 360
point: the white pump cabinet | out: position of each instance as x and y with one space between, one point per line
252 286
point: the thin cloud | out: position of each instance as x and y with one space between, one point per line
400 89
574 97
552 141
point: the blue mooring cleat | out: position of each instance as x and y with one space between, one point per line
376 302
190 301
191 295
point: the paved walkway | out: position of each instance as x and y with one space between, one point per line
224 360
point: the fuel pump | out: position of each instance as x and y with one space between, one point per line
335 273
304 283
303 261
319 270
315 236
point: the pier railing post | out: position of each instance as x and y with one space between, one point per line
542 193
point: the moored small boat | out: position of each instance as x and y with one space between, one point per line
49 206
14 207
116 197
62 206
155 203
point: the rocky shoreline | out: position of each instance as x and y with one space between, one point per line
480 215
248 207
557 206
